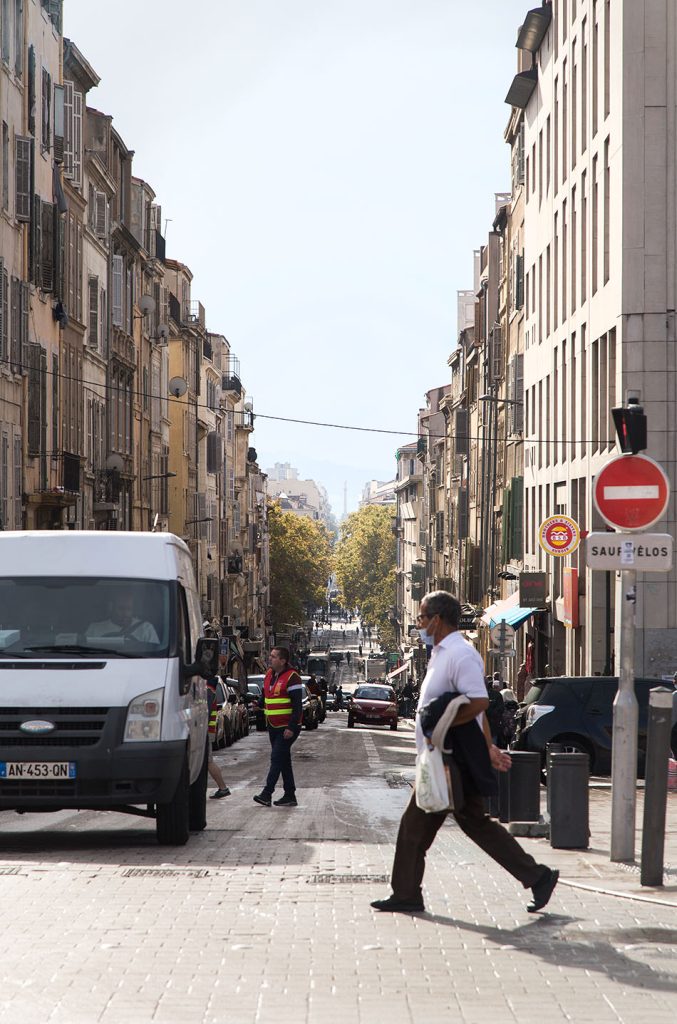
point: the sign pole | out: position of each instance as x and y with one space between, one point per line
625 723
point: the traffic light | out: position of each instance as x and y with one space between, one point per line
630 423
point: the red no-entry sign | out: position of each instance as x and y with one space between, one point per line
631 492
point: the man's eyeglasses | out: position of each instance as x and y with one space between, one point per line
424 615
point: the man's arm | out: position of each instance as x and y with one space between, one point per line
296 696
466 713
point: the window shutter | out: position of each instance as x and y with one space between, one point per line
22 153
3 312
34 352
36 241
100 214
518 394
32 90
25 314
46 109
462 514
47 247
59 122
118 270
93 315
68 129
461 432
519 281
15 336
516 513
19 38
496 353
18 488
77 139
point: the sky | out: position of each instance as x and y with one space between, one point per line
326 169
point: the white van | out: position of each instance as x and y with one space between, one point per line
101 703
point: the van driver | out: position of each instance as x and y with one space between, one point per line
123 622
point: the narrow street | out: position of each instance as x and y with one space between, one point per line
265 915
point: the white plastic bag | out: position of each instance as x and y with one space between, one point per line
433 793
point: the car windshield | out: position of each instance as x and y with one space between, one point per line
80 617
374 693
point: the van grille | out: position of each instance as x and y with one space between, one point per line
75 727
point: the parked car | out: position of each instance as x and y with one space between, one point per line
240 712
577 711
311 708
372 704
255 687
254 701
226 718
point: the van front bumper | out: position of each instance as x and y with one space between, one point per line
105 777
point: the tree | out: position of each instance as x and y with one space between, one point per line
365 567
300 564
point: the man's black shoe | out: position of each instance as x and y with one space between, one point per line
396 906
543 890
286 801
263 799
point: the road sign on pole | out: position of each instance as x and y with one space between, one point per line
631 492
650 552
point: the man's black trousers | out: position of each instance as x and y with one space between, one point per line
280 762
418 830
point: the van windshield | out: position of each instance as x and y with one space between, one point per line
77 617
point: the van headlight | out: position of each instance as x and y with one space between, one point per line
536 711
144 717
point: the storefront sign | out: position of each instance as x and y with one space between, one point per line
533 589
570 587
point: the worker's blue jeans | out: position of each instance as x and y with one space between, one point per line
280 762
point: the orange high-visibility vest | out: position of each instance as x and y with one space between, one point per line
278 706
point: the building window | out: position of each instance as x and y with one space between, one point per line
607 212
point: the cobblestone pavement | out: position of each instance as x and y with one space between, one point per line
265 916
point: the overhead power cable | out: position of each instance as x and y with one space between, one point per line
91 385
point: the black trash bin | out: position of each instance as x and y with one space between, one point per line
568 794
525 786
551 748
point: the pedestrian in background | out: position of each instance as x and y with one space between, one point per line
283 708
456 667
521 682
212 766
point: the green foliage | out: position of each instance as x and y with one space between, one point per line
300 564
365 567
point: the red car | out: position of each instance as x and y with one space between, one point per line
373 704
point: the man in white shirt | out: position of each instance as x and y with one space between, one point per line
123 622
455 666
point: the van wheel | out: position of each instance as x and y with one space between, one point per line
197 806
351 722
393 726
172 819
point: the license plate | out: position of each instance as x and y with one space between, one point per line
37 770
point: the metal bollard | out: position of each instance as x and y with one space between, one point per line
568 781
525 786
656 785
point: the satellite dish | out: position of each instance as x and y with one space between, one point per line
177 387
147 304
163 331
248 407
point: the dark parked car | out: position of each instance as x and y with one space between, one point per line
311 708
577 711
373 704
255 688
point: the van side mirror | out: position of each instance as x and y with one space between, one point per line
206 662
207 656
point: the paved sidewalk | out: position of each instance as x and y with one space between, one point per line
264 918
